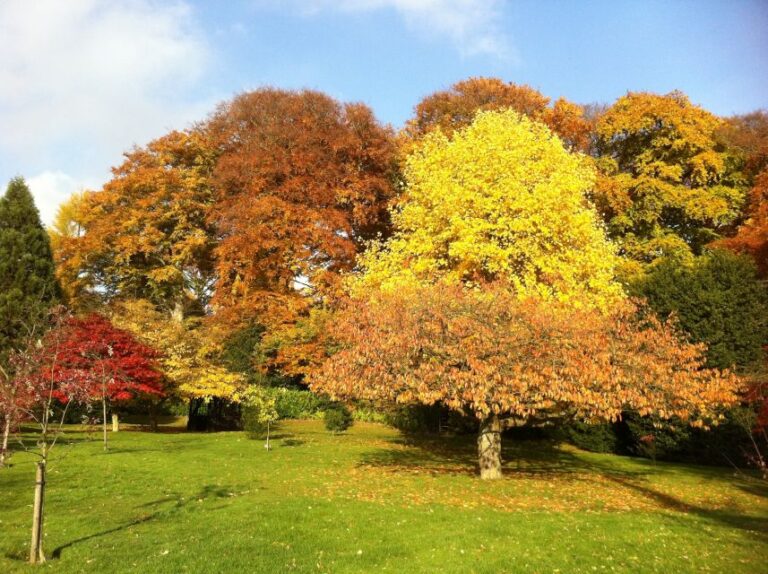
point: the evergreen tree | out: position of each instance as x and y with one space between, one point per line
27 281
718 300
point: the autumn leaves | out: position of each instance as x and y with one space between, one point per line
475 259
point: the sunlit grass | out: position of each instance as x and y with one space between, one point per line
374 500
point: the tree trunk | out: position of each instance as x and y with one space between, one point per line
489 448
267 445
36 555
153 408
104 420
177 315
6 435
115 423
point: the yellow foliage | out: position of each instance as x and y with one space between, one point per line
188 351
501 199
666 186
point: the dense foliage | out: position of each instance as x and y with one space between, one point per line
717 300
231 247
27 282
502 199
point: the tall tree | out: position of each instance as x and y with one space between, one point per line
28 286
667 187
301 182
456 107
146 233
501 199
483 352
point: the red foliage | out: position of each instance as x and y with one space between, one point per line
92 352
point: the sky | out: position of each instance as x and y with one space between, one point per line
82 81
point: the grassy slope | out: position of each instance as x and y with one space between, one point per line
372 500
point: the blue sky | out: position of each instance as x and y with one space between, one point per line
81 81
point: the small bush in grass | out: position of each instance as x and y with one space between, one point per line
258 413
296 404
337 418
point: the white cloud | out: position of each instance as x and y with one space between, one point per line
51 188
83 80
472 25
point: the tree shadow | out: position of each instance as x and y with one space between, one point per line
546 459
292 442
458 455
159 508
755 526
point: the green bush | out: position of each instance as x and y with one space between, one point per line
337 418
369 414
253 424
297 404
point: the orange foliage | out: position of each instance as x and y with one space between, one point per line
484 352
456 107
145 234
752 237
301 181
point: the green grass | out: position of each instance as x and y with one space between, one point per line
373 500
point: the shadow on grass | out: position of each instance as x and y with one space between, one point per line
458 455
292 442
543 459
160 508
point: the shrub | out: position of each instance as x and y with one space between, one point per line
338 418
257 413
297 404
253 425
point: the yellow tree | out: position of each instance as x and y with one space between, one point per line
67 237
189 353
501 199
665 185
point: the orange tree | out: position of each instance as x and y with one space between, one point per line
456 107
483 351
748 135
300 182
146 233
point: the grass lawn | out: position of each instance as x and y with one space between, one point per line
374 500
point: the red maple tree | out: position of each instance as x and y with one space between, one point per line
108 362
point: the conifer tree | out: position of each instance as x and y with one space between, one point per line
27 283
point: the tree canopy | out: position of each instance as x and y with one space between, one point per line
485 352
301 181
667 188
501 199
